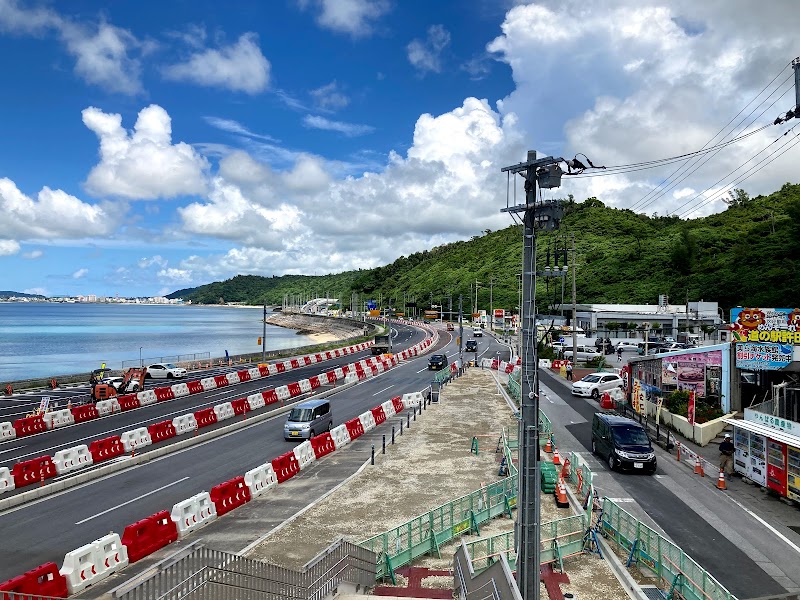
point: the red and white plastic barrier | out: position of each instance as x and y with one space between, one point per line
6 480
59 418
184 424
340 435
72 459
260 480
93 562
305 454
137 438
224 411
7 431
107 407
193 513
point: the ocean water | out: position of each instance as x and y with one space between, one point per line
47 339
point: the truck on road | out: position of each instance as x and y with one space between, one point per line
382 345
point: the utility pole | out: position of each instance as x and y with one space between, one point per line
686 335
477 285
796 67
460 327
264 335
491 305
542 215
574 306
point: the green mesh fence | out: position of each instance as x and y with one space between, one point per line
514 388
442 376
580 475
664 559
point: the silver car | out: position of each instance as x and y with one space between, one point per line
307 419
165 371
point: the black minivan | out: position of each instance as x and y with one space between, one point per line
623 443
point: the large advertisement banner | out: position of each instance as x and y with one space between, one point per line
775 325
763 357
698 372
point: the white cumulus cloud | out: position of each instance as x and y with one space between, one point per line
144 164
353 17
240 67
426 55
8 247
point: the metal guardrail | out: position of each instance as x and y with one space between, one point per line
492 583
15 596
207 574
175 358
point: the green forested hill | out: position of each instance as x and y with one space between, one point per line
747 255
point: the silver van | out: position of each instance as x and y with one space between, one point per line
307 419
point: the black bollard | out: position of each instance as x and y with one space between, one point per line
372 460
383 449
408 420
415 413
401 424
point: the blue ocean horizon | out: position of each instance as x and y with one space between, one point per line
46 339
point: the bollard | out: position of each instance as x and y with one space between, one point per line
372 459
383 449
408 420
415 413
401 424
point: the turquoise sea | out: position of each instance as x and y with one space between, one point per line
47 339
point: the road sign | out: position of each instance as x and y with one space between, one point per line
44 404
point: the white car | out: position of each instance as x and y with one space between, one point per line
165 371
584 353
477 332
595 384
116 383
628 346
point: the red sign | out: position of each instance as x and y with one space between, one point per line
499 313
690 409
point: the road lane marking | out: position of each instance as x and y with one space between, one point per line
421 370
383 390
780 536
12 449
100 514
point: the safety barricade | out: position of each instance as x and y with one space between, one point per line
285 466
355 428
340 436
399 407
107 448
305 386
270 397
260 480
283 393
161 431
319 357
85 412
346 369
388 408
7 431
350 378
71 459
328 355
221 380
337 353
378 415
330 376
279 367
287 365
163 394
294 389
59 418
322 444
264 370
137 438
232 378
6 480
305 454
252 373
367 420
205 417
229 495
307 360
339 372
256 401
29 425
295 363
148 535
195 387
314 382
34 470
240 406
193 513
107 407
412 399
43 581
147 397
184 424
359 370
243 375
93 562
128 402
368 362
179 390
223 411
209 383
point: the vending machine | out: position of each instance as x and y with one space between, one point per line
757 467
741 455
776 466
793 473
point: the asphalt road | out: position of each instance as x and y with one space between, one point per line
45 530
681 521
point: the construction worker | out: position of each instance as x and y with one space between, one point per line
569 371
726 455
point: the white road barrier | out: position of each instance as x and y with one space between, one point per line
184 424
367 420
135 439
107 407
93 562
232 377
146 397
224 411
6 480
7 431
340 435
412 399
256 401
179 390
260 480
193 513
208 383
59 418
388 408
305 454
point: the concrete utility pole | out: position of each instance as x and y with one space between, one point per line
542 216
264 335
796 67
460 326
491 304
574 306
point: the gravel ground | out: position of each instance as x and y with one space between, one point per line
430 465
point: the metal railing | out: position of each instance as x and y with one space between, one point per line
175 358
201 573
16 596
495 582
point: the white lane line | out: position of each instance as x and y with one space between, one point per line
421 370
100 514
780 536
383 390
12 449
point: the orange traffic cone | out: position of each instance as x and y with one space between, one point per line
565 469
548 447
678 457
698 467
556 457
721 481
561 495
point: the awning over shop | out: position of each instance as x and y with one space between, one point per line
759 429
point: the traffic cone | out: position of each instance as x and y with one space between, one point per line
556 456
721 481
565 469
561 495
698 467
548 447
678 457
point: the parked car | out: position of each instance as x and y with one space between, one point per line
472 346
595 384
585 353
651 346
623 443
437 362
165 371
627 346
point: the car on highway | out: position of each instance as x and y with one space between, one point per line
437 362
165 371
307 419
472 346
584 353
623 443
477 332
595 384
116 383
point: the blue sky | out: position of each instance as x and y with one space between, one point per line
151 146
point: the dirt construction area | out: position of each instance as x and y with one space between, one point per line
429 465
